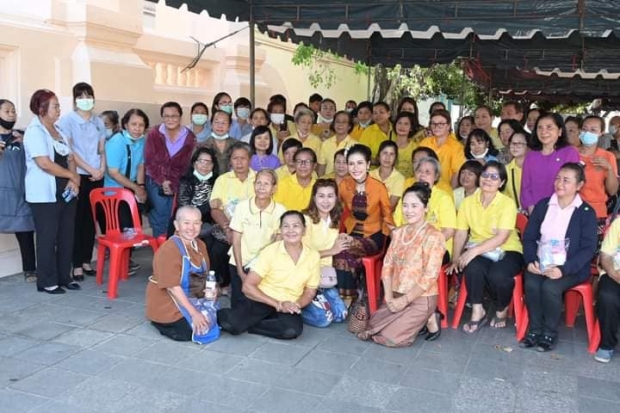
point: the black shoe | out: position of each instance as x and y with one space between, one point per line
546 343
531 340
78 277
57 290
73 286
91 273
432 336
423 332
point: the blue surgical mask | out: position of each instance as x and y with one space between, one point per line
227 108
588 138
128 135
85 104
243 113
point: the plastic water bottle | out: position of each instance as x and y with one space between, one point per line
211 286
128 233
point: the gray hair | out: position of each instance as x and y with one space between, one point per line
432 161
239 145
304 112
270 172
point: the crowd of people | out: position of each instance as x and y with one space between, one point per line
283 207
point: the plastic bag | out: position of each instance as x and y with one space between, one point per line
495 255
552 252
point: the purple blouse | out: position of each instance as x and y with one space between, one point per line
264 162
539 172
174 147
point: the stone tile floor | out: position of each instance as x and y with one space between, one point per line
82 353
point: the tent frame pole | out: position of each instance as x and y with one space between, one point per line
252 64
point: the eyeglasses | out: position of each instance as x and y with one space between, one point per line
204 161
220 123
171 117
304 162
438 125
490 175
518 144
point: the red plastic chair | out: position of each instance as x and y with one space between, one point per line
110 199
373 266
572 300
517 305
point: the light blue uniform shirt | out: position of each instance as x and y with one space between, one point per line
116 156
237 131
202 136
84 137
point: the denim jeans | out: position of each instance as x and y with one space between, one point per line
327 307
159 216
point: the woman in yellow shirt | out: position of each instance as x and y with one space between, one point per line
407 142
323 126
342 126
341 169
380 131
518 144
364 119
487 248
393 180
483 119
303 122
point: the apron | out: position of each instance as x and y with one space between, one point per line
207 307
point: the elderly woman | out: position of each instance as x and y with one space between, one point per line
228 191
323 217
558 246
409 275
448 149
179 301
487 248
550 150
220 141
254 225
368 222
196 186
87 136
294 191
469 180
52 185
303 121
387 173
341 126
167 153
283 280
16 216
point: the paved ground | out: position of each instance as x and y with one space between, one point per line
82 353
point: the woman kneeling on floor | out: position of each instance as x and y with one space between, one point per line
283 280
178 301
410 270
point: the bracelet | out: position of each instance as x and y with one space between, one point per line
141 185
279 307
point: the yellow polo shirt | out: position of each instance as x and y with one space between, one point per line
482 223
292 195
320 237
395 183
282 279
230 190
451 158
513 184
404 165
357 131
323 132
329 148
373 136
497 142
612 239
283 172
312 141
256 227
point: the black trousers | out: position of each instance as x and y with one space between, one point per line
259 318
236 287
26 248
54 224
608 311
544 301
218 257
84 234
180 330
498 276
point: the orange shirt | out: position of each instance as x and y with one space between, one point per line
378 209
451 158
593 191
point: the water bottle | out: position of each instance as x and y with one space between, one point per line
128 233
211 286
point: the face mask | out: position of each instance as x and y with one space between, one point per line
482 155
227 108
202 177
85 104
199 119
7 124
130 136
588 138
219 137
365 124
109 133
613 129
349 110
325 120
277 118
243 113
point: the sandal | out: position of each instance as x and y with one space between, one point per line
30 276
78 277
476 325
497 320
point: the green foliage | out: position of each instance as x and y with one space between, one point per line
317 64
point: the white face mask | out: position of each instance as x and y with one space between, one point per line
85 104
482 155
219 137
365 124
243 113
109 133
277 118
325 120
199 119
613 129
202 177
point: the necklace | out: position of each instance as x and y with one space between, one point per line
414 235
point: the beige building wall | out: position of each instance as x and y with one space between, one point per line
133 52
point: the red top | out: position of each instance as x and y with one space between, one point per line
158 163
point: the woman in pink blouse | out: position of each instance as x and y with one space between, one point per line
409 275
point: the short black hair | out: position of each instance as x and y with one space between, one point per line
242 102
559 122
315 97
291 143
199 105
170 105
137 112
501 169
82 87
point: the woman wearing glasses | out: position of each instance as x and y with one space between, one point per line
487 248
447 148
518 146
295 191
167 153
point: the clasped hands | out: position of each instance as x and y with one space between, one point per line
553 272
396 305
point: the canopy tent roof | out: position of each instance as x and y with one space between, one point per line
517 42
